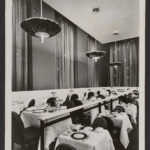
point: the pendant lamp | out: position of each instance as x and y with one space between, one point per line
115 64
95 54
40 27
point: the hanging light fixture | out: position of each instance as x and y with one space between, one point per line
40 27
95 54
115 64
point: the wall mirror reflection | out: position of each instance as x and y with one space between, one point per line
60 62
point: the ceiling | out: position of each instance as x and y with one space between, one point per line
114 15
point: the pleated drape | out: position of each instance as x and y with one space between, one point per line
65 55
128 73
20 47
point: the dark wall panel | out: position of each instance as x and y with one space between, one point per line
43 55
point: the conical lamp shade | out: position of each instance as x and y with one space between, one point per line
115 64
95 55
40 27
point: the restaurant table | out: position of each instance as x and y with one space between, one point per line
95 141
48 121
130 109
121 121
31 119
94 112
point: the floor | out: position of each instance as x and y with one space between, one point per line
133 145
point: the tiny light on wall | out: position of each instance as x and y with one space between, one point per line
40 27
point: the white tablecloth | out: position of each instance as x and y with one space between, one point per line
131 109
50 133
121 121
95 141
94 112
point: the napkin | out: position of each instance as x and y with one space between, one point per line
99 130
31 108
88 129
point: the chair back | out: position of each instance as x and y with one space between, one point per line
100 122
17 128
119 109
64 146
31 103
77 116
110 125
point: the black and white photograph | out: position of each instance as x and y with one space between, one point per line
75 75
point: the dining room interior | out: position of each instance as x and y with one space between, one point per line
75 75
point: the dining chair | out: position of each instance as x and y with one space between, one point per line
100 122
31 103
78 114
110 125
24 136
63 146
119 109
114 131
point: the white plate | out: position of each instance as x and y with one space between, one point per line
38 111
79 136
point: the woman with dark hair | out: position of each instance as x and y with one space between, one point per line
108 106
51 102
109 92
92 113
90 95
99 95
77 116
68 102
74 99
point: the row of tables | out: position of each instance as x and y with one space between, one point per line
54 124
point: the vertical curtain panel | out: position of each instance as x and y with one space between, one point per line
128 73
20 47
65 55
92 73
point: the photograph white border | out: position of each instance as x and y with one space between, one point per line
8 72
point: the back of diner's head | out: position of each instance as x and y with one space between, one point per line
90 95
130 99
98 92
109 92
74 97
51 101
122 99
